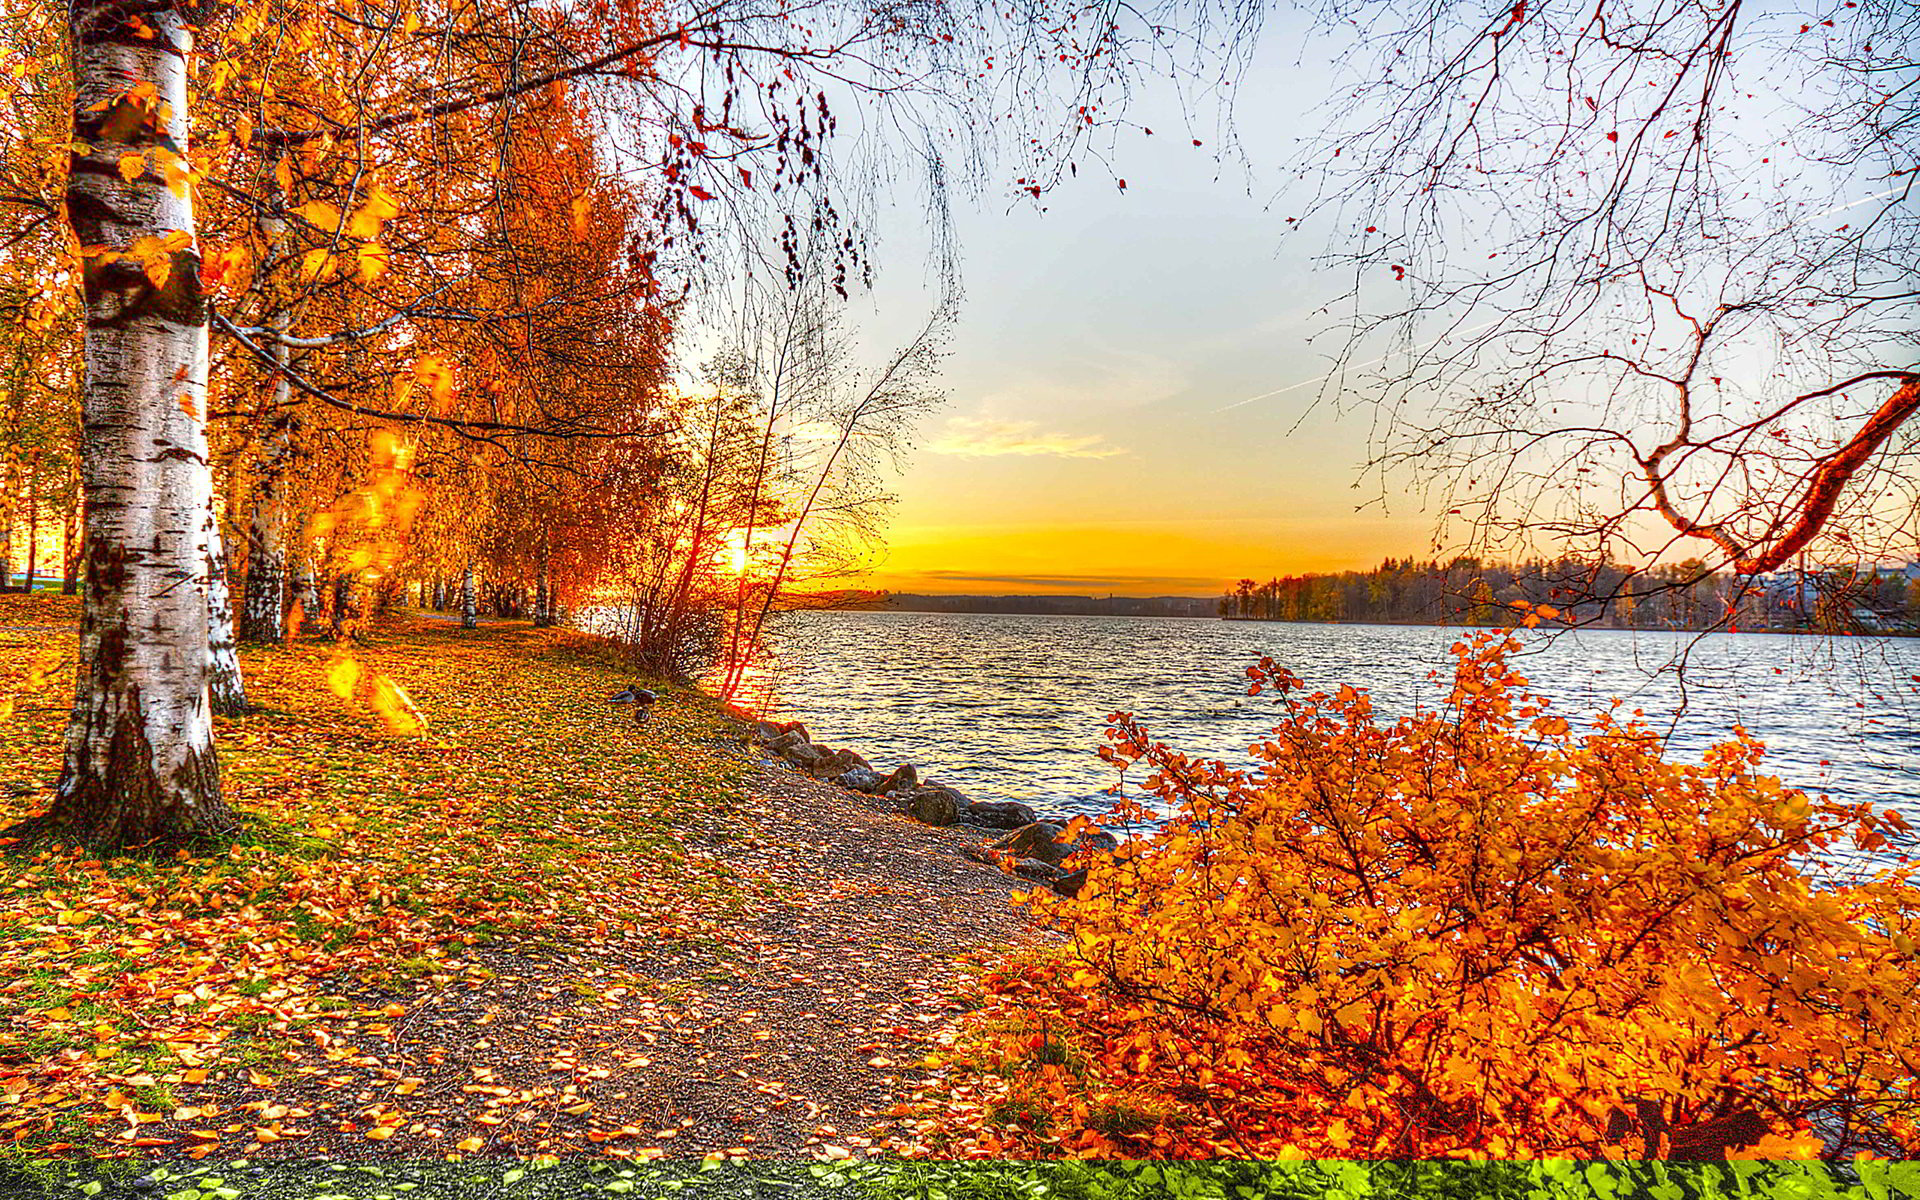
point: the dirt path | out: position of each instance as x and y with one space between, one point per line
783 1032
672 958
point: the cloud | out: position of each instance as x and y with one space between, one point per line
985 437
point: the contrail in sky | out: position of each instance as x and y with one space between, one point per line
1857 203
1294 387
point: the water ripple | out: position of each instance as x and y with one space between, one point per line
1012 707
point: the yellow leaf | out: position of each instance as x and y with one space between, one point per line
132 166
380 207
396 709
370 262
323 216
433 371
313 264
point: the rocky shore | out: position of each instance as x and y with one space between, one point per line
1046 848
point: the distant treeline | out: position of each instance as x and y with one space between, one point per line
1685 595
1091 606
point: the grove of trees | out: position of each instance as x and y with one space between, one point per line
1677 595
304 306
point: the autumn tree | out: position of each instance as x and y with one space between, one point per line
714 108
1477 930
1642 271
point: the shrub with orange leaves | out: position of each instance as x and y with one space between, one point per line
1475 930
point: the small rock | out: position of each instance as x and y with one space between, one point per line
1049 842
936 805
998 814
859 779
1069 883
837 762
1095 838
805 755
764 732
1039 840
905 777
782 742
1041 872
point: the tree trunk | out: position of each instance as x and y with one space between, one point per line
33 526
70 551
225 687
263 607
6 537
342 611
140 763
469 614
543 591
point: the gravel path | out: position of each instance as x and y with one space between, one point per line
784 1032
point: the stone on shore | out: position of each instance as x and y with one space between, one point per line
805 755
1039 872
1069 883
936 805
905 778
998 814
1039 840
764 732
1050 842
859 779
837 762
773 734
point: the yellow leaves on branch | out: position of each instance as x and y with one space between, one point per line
152 252
432 372
1477 930
352 237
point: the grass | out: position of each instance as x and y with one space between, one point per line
527 811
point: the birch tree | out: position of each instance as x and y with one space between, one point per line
140 761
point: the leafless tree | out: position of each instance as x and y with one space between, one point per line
1635 279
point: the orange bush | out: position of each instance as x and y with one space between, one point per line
1472 931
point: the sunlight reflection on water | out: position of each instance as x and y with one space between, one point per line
1013 707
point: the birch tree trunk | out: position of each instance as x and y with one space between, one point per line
469 614
33 526
263 607
140 762
70 551
225 687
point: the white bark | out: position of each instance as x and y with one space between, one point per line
263 614
140 762
226 689
306 590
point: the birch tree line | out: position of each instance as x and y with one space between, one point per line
333 301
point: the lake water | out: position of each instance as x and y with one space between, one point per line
1013 707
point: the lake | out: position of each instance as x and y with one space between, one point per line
1013 707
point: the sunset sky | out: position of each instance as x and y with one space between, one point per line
1102 433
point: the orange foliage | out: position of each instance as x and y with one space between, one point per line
1476 930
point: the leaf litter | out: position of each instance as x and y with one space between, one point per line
536 928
